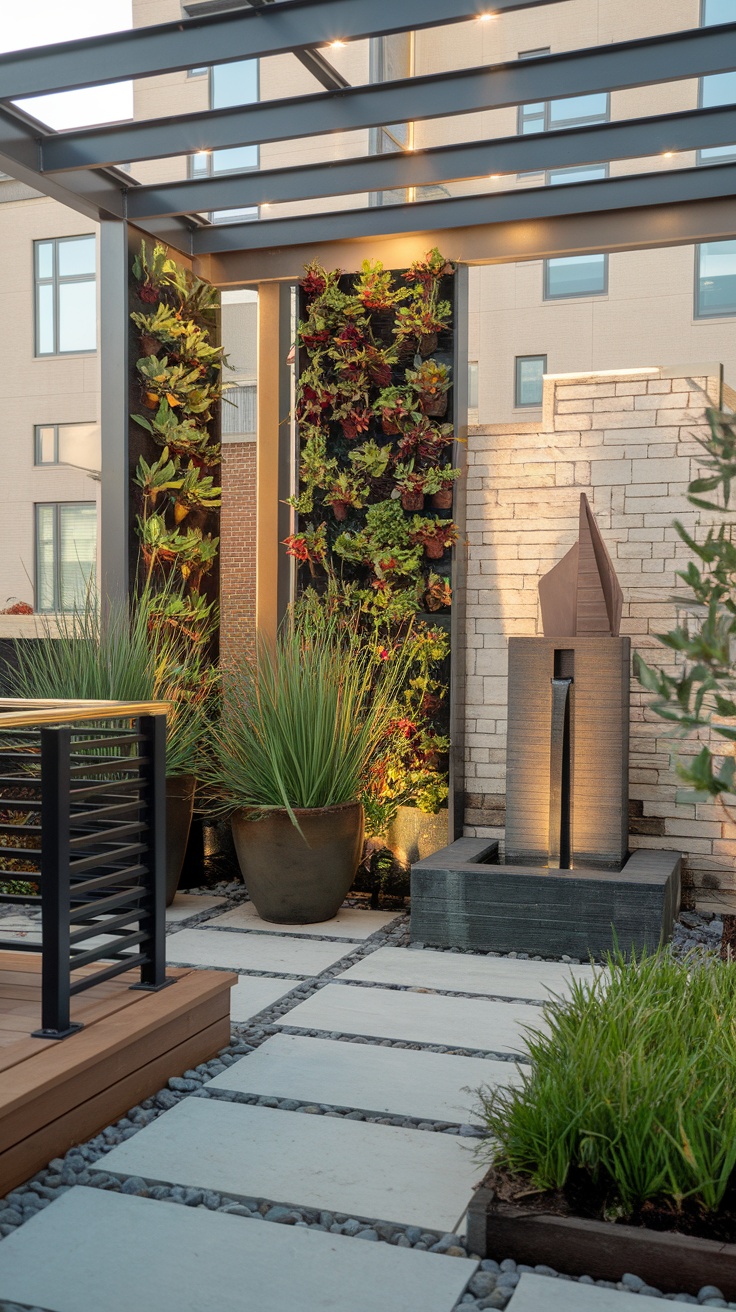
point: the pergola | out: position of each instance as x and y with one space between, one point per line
82 169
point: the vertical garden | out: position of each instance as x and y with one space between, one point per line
374 504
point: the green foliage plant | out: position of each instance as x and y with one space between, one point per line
368 454
701 696
631 1091
130 656
305 718
180 374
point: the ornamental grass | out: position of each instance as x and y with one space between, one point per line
631 1096
306 718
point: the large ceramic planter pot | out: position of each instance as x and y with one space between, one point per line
292 881
179 810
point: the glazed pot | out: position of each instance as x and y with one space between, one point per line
442 500
293 881
434 550
179 810
412 500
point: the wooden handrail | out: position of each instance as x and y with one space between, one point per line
22 712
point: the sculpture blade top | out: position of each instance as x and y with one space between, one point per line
581 596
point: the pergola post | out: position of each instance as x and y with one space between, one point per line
272 454
113 284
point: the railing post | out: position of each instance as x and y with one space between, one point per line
153 915
55 885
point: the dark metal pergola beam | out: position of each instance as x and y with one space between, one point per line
288 26
495 243
626 139
525 205
665 58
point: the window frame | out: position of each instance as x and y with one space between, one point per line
699 315
58 506
700 159
56 281
518 403
57 463
575 296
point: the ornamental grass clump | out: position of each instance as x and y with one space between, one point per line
306 718
629 1107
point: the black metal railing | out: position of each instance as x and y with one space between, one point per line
83 837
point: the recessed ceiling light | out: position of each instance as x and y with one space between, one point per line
336 45
485 18
667 154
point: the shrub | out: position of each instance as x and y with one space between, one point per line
632 1090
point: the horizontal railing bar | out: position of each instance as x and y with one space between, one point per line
99 977
20 853
20 781
19 898
639 62
118 854
124 741
109 950
103 905
18 945
20 829
94 788
108 812
109 834
114 925
109 765
19 803
83 888
24 712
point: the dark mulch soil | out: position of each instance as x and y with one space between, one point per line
580 1198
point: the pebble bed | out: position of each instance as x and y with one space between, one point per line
493 1284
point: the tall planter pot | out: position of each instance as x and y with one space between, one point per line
179 810
292 881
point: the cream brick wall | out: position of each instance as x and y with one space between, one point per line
629 441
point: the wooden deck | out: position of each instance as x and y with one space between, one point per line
56 1093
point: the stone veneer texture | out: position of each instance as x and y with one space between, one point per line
238 548
628 440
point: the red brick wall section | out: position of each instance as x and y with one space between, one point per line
238 549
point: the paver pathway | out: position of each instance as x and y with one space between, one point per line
354 1116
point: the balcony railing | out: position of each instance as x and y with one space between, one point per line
82 821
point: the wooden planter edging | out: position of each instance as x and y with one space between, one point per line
670 1262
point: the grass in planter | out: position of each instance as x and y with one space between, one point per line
631 1098
124 657
305 719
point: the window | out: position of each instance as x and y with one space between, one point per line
578 173
230 84
572 112
392 57
529 373
66 550
66 295
575 275
715 279
717 88
68 444
472 385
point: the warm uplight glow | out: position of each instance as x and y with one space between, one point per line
667 154
493 177
337 45
485 18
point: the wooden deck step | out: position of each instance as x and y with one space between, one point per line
57 1093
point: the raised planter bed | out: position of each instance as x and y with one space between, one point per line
671 1262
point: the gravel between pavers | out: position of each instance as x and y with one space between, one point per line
493 1284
